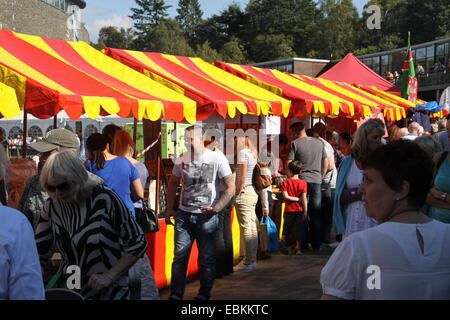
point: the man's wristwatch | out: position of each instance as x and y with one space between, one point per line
443 196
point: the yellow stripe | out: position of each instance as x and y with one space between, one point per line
252 79
170 247
298 83
236 84
92 105
236 236
16 81
41 44
29 72
350 94
8 102
125 74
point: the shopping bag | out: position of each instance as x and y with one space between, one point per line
263 235
272 235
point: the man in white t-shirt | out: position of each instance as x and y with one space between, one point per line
196 218
328 185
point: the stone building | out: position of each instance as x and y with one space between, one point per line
44 18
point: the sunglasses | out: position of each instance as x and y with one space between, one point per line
65 186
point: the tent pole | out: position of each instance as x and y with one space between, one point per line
24 135
55 121
135 133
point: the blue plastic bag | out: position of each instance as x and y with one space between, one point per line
272 234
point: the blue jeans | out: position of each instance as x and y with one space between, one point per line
315 214
190 227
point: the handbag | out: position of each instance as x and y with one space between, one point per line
272 234
146 218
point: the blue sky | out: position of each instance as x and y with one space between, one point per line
100 13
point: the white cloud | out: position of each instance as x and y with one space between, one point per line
95 18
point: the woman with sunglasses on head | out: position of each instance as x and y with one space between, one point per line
90 226
406 256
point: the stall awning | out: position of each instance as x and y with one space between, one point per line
214 89
365 101
50 75
9 106
315 97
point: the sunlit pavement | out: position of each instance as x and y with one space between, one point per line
283 277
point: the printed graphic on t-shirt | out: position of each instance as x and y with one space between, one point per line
197 184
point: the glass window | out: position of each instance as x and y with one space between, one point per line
430 52
386 64
376 64
420 54
368 62
289 68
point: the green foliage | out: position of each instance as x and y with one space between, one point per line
189 17
276 29
113 38
207 53
233 51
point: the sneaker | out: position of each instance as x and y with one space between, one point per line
246 267
298 252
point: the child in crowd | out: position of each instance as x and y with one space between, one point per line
294 192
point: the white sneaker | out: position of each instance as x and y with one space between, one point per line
245 267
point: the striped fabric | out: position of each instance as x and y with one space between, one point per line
49 75
214 90
92 235
314 96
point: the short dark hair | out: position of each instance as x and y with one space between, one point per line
297 127
295 166
403 160
346 137
109 131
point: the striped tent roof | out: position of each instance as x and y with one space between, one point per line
316 97
214 89
50 75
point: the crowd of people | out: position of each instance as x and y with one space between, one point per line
382 200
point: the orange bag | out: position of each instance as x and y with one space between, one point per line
17 174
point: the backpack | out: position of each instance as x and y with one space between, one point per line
261 177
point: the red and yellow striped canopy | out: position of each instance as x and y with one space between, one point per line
50 75
214 89
315 97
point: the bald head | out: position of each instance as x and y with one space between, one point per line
414 128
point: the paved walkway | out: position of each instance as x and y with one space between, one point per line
283 277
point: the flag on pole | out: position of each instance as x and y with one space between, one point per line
409 80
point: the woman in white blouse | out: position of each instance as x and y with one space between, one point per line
245 203
406 256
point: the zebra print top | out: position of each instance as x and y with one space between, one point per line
92 235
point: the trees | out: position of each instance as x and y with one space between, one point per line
111 37
189 17
276 29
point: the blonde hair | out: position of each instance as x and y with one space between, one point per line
393 132
67 165
246 143
360 147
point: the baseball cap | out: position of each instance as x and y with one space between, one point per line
56 138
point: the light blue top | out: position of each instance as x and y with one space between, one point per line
20 269
118 173
338 212
442 183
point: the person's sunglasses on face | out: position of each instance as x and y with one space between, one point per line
64 186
